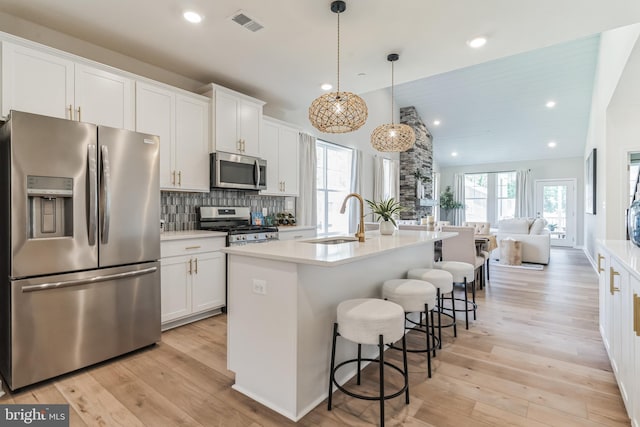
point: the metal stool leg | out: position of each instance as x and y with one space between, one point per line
455 323
406 368
440 302
426 328
473 298
381 346
466 304
433 335
333 360
359 361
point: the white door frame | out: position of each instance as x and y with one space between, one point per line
571 223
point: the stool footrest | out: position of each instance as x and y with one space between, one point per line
365 397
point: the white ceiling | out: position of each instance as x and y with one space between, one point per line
285 63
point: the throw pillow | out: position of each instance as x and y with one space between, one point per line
537 226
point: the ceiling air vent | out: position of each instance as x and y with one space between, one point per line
249 23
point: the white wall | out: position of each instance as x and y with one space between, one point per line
615 49
567 168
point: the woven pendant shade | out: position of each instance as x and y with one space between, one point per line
338 112
393 137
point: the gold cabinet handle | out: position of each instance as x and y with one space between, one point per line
180 178
636 314
612 274
192 247
239 145
173 178
196 265
70 112
79 114
190 266
600 258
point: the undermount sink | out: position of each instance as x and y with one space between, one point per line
333 240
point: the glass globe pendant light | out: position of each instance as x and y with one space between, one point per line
393 137
338 112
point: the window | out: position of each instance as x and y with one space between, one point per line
333 181
475 197
490 197
389 179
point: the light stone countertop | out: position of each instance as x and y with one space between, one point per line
190 234
286 228
305 252
626 252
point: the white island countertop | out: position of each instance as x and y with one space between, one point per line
328 255
190 234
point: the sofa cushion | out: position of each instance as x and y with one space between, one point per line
514 225
537 226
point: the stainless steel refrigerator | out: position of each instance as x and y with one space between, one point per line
79 245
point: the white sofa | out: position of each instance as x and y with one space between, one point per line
536 240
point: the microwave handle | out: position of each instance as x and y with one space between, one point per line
256 173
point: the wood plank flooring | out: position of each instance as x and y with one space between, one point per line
534 357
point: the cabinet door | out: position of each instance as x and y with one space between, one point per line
635 349
621 325
226 123
269 152
192 143
288 161
175 287
155 114
604 301
250 116
36 82
103 98
209 282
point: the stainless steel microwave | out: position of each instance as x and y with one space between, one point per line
238 172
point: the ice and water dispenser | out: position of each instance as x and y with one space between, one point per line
50 206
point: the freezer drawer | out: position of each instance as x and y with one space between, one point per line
65 322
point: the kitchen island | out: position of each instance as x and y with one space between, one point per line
282 299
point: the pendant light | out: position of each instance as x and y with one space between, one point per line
338 112
393 137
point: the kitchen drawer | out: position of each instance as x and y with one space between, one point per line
191 246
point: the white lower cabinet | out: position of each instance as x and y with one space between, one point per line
620 318
295 233
193 279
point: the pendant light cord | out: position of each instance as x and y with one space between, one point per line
392 122
338 86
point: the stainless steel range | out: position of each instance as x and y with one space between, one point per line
236 223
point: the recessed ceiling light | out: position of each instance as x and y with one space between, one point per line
454 154
551 144
326 86
550 104
436 122
477 42
192 17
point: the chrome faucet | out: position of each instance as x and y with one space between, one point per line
360 233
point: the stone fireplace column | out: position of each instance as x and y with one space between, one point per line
419 157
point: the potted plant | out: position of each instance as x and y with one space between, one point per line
447 203
385 210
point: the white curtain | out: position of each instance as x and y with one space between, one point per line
458 196
378 178
524 194
394 180
356 187
306 203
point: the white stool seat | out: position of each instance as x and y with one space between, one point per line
363 320
459 270
441 279
411 294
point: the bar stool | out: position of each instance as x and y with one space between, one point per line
415 296
375 322
463 273
443 281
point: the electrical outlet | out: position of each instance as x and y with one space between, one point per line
259 286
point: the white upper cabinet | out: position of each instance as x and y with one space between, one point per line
103 98
36 82
43 83
236 121
181 122
279 147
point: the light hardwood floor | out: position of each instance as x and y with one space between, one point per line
534 357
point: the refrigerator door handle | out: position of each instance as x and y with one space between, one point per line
93 192
95 279
106 176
